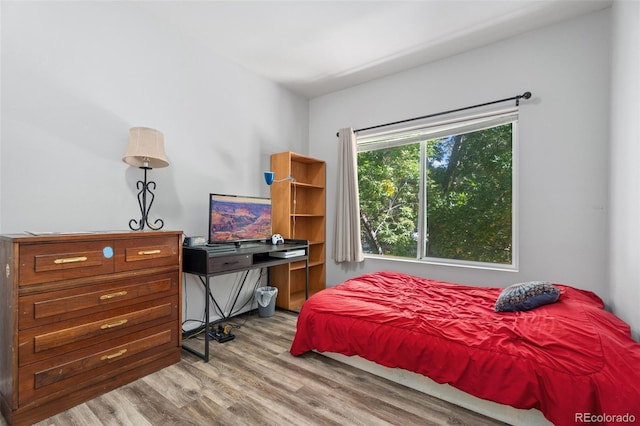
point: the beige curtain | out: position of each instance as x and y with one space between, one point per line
347 245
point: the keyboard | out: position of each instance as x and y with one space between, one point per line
220 248
251 245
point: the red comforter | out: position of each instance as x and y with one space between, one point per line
572 360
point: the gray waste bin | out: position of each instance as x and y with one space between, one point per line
266 298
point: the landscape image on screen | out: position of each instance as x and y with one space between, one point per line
235 218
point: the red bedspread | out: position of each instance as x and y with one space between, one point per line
572 360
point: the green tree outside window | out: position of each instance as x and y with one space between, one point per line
466 197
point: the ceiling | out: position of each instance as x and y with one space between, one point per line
317 47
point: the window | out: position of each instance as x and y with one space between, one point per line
442 191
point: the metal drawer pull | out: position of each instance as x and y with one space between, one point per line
70 260
114 355
112 295
147 252
113 324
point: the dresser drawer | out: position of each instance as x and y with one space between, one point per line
141 253
229 263
64 375
42 309
49 262
57 339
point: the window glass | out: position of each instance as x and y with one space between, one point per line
389 182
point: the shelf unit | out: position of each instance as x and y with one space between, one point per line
298 212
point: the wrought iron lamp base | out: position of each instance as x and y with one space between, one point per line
145 187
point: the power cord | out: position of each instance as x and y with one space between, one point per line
221 333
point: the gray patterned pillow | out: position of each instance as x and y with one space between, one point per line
526 296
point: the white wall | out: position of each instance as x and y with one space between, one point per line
563 151
625 173
77 75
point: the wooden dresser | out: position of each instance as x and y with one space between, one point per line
82 314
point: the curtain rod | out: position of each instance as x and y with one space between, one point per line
525 95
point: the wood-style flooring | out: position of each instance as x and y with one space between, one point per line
254 380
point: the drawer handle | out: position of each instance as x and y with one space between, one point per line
112 295
148 252
113 324
70 260
114 355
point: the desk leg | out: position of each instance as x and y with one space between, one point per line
206 321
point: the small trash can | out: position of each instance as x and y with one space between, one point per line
266 298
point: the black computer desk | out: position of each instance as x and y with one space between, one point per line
206 262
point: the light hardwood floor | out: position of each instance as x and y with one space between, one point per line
253 380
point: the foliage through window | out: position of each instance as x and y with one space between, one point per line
441 192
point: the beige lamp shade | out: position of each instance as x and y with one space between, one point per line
146 148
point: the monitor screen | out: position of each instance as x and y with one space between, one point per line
234 218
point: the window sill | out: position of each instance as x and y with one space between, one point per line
447 262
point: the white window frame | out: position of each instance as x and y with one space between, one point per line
430 129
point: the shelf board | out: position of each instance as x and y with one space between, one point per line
301 158
295 266
307 185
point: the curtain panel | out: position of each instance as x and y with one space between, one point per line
347 244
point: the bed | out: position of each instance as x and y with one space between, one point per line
571 360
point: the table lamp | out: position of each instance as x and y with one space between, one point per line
146 151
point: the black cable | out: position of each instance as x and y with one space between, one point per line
186 305
186 308
218 311
252 296
239 285
255 287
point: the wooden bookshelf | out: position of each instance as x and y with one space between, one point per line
298 212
